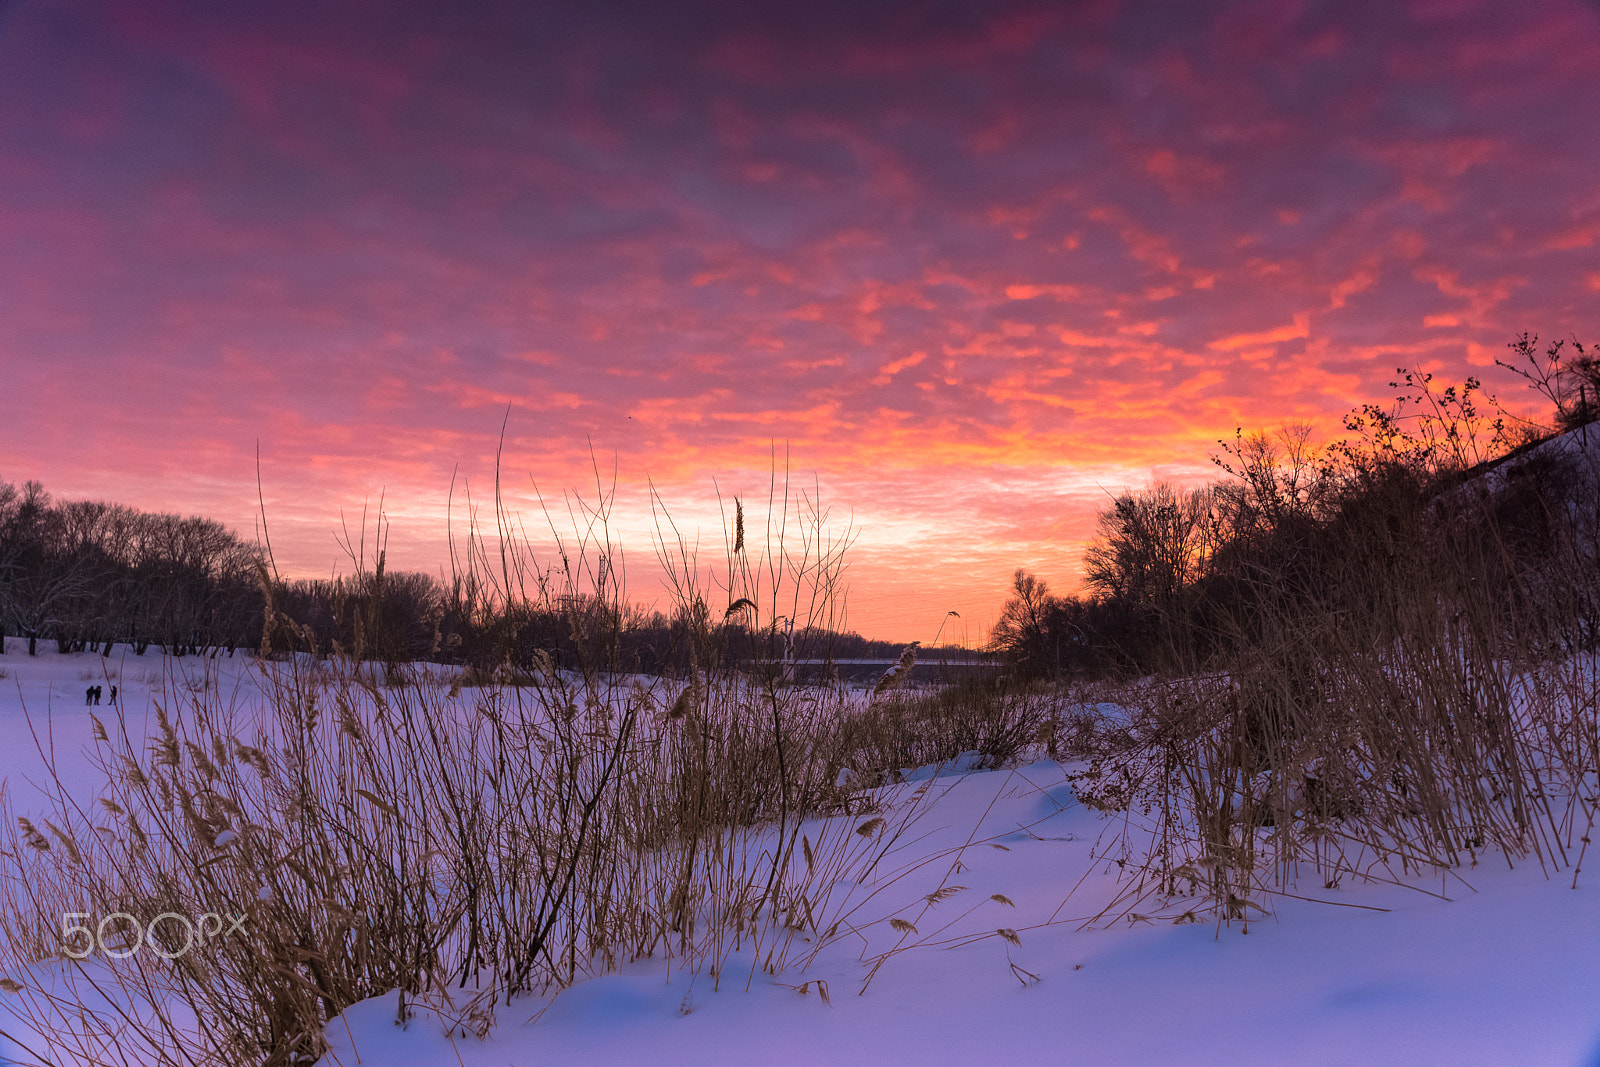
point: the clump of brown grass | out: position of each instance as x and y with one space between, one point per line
378 829
1426 702
995 720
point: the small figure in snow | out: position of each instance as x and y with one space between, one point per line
97 696
88 696
113 700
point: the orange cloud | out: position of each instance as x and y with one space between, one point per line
1298 329
972 270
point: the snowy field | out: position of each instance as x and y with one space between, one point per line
1496 966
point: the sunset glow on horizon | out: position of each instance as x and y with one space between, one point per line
966 269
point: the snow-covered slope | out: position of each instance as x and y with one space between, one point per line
1506 970
1506 974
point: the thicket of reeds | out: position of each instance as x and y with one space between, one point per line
1379 661
379 826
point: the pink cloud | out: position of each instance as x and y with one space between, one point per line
943 256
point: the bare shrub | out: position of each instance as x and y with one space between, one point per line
1379 668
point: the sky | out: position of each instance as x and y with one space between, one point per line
963 270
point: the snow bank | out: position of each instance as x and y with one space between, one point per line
1503 970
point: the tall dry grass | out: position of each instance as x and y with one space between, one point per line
1408 691
381 826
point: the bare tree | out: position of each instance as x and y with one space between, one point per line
1022 633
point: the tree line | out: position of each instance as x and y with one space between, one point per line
87 575
1185 580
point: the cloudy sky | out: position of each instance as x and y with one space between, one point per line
969 266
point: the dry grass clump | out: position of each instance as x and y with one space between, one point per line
1427 700
465 841
995 720
1386 765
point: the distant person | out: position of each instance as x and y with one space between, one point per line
97 696
113 700
88 696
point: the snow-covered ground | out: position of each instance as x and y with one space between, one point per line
1506 970
42 706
